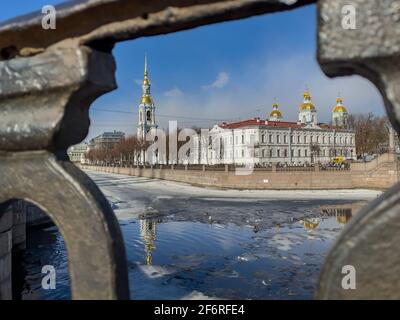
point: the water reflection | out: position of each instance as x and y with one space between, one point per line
148 232
310 223
172 258
342 214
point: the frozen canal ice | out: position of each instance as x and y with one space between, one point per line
185 242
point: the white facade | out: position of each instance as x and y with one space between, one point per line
77 152
264 142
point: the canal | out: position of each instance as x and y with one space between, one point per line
184 242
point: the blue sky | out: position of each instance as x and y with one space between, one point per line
227 71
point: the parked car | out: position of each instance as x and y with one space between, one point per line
337 161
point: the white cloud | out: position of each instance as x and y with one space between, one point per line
174 92
220 82
255 87
138 82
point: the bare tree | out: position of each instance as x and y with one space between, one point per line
371 133
315 150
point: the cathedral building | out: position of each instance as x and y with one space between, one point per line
274 140
258 141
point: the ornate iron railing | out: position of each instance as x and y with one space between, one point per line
49 78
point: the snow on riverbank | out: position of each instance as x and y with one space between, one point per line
166 189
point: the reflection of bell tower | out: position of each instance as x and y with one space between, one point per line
310 223
148 232
147 117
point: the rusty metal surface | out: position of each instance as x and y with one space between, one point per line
370 241
96 253
44 102
45 99
101 23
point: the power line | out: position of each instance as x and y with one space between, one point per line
161 115
258 108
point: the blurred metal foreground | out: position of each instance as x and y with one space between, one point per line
49 78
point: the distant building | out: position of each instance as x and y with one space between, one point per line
77 152
273 140
106 139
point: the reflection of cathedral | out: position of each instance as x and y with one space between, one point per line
148 232
343 215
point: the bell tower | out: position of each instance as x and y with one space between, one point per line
147 117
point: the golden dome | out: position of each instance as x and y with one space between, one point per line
306 95
276 113
310 224
339 106
146 81
339 109
146 100
307 104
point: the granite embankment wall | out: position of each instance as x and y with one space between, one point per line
380 173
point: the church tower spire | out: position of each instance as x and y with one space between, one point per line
146 96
